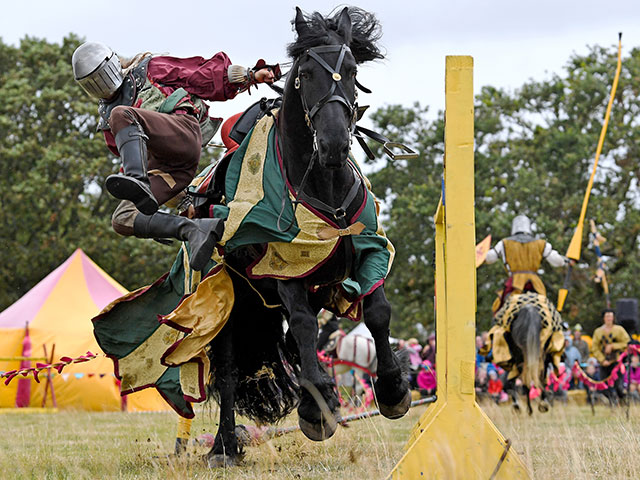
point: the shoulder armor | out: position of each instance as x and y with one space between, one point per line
127 94
140 72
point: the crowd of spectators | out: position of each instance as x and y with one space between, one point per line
596 357
422 364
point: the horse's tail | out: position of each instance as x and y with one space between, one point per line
525 332
268 387
264 363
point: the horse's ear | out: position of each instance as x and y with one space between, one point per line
300 23
344 25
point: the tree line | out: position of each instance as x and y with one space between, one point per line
534 152
535 149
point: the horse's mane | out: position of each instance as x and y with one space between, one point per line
366 32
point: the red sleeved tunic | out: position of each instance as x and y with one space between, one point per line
204 78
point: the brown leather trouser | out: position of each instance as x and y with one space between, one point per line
173 147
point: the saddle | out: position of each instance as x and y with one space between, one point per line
207 192
251 116
207 189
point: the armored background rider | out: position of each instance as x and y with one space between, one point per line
522 253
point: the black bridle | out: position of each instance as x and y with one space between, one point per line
330 96
309 114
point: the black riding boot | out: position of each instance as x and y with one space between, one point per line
201 233
134 184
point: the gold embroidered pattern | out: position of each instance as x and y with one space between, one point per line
142 366
249 190
253 164
285 260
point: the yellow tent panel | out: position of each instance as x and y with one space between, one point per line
58 311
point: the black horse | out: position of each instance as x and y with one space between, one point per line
524 341
314 129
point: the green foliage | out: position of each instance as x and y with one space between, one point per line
534 153
52 169
535 149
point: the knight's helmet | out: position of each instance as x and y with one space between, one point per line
521 224
97 69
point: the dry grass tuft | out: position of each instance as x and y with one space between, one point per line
568 442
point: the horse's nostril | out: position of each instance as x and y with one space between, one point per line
334 151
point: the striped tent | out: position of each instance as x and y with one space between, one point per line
58 311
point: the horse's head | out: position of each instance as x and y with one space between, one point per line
326 54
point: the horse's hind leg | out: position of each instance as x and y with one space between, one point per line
543 406
391 387
225 448
318 402
527 392
511 389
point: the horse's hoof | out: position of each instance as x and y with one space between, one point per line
318 432
396 411
543 406
516 408
219 460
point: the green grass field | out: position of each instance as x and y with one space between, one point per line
567 443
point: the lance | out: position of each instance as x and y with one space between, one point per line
601 275
573 252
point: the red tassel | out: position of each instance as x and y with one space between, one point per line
9 378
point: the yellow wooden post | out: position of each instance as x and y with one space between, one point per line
454 439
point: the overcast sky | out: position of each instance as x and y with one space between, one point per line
511 40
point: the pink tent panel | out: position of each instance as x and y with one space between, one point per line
28 305
102 290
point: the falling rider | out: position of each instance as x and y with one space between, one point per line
153 116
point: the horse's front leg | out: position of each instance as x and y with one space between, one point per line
319 404
391 387
225 450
